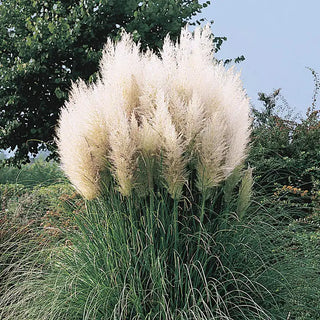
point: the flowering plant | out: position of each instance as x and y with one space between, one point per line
159 141
179 109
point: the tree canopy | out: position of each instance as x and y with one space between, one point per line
45 45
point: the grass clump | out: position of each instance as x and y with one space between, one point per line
149 258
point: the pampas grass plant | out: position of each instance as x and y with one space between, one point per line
157 146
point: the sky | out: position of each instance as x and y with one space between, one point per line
279 39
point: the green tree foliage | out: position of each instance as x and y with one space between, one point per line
45 45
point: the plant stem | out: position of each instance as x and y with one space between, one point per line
175 252
202 213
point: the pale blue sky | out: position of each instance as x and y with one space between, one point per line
279 39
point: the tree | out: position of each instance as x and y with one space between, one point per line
45 45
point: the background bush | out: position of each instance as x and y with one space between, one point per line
35 206
286 155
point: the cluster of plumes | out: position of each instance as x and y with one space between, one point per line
179 110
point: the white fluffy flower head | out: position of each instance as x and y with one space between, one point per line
182 109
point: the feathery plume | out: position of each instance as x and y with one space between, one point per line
122 151
173 167
211 154
181 109
83 141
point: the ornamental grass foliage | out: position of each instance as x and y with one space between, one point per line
157 146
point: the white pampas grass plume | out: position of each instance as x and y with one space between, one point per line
212 149
180 109
148 138
83 141
195 117
122 152
171 145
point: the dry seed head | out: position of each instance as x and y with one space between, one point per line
82 141
122 151
171 144
212 149
194 120
148 138
182 108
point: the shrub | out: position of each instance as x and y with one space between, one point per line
32 220
286 157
